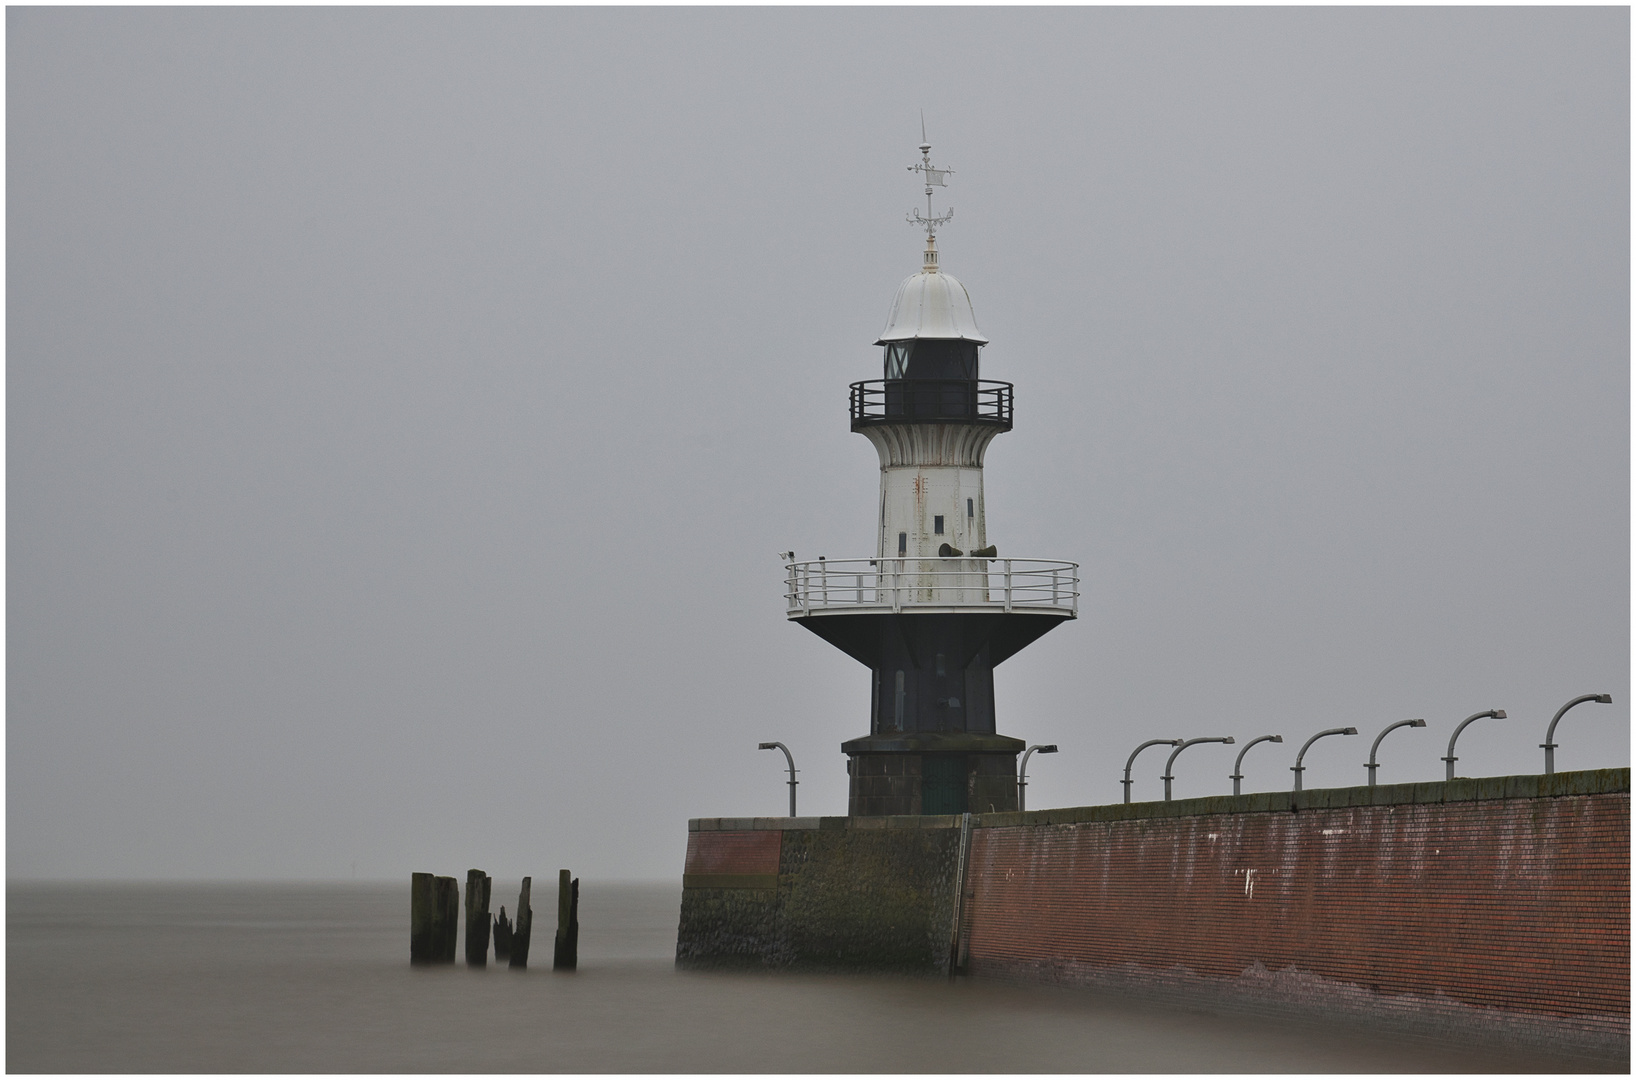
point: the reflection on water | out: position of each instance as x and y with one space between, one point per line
290 978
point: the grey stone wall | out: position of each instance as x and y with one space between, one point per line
875 895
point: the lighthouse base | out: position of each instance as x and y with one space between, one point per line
931 773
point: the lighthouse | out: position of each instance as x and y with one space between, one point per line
938 606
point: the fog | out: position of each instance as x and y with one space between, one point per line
406 407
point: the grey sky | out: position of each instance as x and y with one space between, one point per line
405 407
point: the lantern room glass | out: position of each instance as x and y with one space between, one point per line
930 358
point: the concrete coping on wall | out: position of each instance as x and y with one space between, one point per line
1536 786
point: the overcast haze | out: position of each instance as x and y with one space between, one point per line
406 407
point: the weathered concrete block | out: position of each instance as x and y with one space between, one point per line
878 896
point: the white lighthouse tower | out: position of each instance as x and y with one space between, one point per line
937 607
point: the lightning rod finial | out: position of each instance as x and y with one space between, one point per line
933 177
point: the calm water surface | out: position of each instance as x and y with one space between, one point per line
291 978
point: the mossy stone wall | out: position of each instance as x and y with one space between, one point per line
848 899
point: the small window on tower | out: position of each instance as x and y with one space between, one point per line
903 544
937 524
969 513
897 359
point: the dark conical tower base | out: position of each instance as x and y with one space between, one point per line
932 747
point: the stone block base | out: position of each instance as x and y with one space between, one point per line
934 773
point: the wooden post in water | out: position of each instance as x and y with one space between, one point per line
434 918
573 928
422 916
566 954
448 918
502 936
521 930
478 886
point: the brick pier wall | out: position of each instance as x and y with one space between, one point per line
1425 905
1498 907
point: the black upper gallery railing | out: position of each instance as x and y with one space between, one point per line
887 401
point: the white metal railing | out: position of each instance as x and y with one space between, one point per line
836 585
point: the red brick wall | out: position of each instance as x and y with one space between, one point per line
733 852
1519 904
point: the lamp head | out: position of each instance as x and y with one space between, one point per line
1349 731
1049 749
1499 714
768 746
1605 699
1276 738
1417 723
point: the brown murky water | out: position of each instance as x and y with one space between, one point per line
292 978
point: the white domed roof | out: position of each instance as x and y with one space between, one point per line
931 304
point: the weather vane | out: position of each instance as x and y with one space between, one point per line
934 177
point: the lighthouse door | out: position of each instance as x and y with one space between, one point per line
943 784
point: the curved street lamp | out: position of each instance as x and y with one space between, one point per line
1132 759
791 759
1298 768
1238 766
1498 714
1022 773
1228 739
1389 727
1550 733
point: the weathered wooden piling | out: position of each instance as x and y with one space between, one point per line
478 886
521 930
566 954
434 918
502 936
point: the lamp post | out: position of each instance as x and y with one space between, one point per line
1389 727
1132 759
1298 768
1550 733
1228 739
1022 772
791 759
1498 714
1238 766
